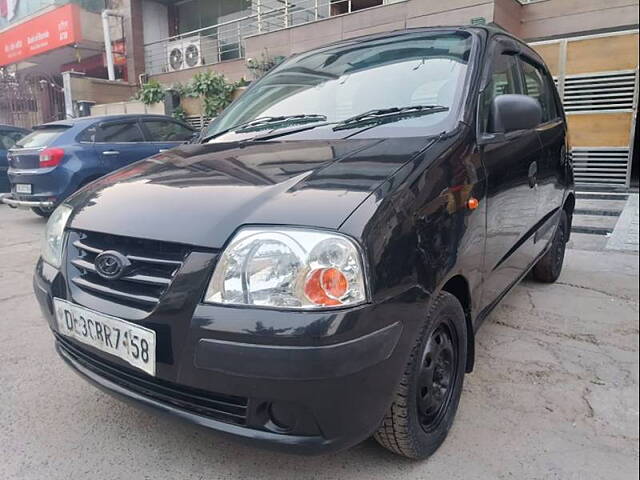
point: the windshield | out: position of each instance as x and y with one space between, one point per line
41 137
343 81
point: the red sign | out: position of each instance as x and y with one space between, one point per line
48 31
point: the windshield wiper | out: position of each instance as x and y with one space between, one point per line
269 123
384 115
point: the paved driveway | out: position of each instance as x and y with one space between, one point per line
554 394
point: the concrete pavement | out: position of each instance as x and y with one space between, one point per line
554 394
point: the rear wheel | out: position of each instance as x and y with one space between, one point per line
549 267
43 212
426 400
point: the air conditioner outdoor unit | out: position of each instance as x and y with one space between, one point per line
175 55
191 52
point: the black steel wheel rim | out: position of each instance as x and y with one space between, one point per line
559 247
437 375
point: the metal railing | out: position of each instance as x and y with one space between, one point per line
225 40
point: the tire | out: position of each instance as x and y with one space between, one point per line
42 212
549 267
420 417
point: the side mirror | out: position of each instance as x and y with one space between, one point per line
515 112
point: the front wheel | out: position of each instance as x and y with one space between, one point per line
426 400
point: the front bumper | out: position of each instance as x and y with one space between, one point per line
323 387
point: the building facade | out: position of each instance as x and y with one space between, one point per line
41 39
591 47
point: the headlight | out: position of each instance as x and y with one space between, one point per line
54 235
289 268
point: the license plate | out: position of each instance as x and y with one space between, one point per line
23 188
132 343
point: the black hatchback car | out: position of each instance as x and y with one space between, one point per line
313 272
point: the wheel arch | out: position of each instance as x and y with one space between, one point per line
458 286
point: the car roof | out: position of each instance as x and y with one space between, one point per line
84 121
487 30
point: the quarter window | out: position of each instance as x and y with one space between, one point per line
536 86
503 80
164 131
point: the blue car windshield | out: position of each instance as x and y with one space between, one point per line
425 68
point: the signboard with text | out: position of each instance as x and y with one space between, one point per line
43 33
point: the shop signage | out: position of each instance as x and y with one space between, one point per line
43 33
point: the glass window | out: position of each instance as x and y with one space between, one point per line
346 80
41 137
504 80
339 7
166 131
189 16
121 132
535 85
8 138
195 14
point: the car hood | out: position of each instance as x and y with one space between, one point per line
200 194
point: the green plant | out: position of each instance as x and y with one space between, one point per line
214 90
184 91
150 93
179 113
263 64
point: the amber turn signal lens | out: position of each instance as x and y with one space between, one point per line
325 286
473 203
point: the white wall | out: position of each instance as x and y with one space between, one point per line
156 21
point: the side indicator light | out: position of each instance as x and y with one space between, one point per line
473 203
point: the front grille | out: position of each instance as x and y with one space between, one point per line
154 264
225 408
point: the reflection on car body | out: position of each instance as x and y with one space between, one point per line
309 286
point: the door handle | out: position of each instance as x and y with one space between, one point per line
162 150
533 174
111 152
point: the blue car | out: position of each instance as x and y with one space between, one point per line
9 135
58 158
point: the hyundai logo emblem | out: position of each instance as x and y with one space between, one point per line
111 264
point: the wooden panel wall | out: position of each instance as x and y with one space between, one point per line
550 53
603 54
593 74
600 129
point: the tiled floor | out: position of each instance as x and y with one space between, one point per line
625 234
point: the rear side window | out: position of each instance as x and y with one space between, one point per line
167 131
119 132
503 80
41 137
537 86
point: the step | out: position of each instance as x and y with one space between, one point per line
601 196
595 211
600 204
600 222
587 241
